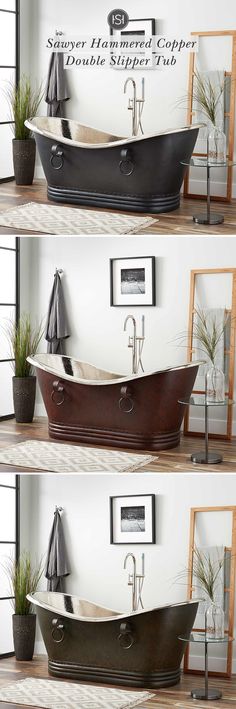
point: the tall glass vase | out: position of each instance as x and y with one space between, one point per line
214 621
215 385
216 145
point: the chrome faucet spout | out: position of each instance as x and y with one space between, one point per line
136 344
127 82
129 317
133 343
132 581
136 581
135 105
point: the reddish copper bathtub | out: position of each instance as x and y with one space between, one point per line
93 406
85 641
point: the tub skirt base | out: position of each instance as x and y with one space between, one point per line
124 678
116 438
147 204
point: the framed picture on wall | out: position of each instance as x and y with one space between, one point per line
141 28
132 281
132 519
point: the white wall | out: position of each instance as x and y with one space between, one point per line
97 566
96 328
97 96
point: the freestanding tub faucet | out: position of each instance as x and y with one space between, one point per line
136 344
136 581
136 106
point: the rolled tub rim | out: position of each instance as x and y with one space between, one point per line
104 382
31 125
118 615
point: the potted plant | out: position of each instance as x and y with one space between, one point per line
24 340
207 96
24 101
24 578
207 333
206 572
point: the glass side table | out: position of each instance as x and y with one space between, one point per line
195 637
201 400
209 217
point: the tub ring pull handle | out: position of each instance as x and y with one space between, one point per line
126 163
57 154
126 404
57 389
57 627
126 638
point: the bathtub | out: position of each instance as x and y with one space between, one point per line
85 641
93 406
86 166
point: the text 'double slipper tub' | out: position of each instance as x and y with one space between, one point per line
85 641
86 166
93 406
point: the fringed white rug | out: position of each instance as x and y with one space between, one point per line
48 219
65 695
63 458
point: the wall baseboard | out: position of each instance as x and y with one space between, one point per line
218 664
40 648
40 410
215 425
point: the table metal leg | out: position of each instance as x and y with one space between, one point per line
206 671
206 457
206 693
209 217
208 196
206 434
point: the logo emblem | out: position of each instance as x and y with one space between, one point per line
118 19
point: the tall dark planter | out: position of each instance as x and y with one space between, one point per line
24 390
24 627
24 152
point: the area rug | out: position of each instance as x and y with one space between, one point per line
48 219
65 695
62 458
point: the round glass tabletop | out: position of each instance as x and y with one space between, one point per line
201 637
203 162
200 400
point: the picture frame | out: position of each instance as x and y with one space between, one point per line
143 26
133 281
133 519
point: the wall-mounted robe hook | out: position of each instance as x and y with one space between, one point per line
58 509
58 270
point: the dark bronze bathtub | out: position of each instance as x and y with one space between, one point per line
87 166
89 405
88 642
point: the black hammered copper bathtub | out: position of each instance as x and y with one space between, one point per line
85 641
90 405
86 166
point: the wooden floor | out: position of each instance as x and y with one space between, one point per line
176 460
179 222
178 696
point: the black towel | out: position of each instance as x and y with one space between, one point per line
56 565
57 329
56 88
